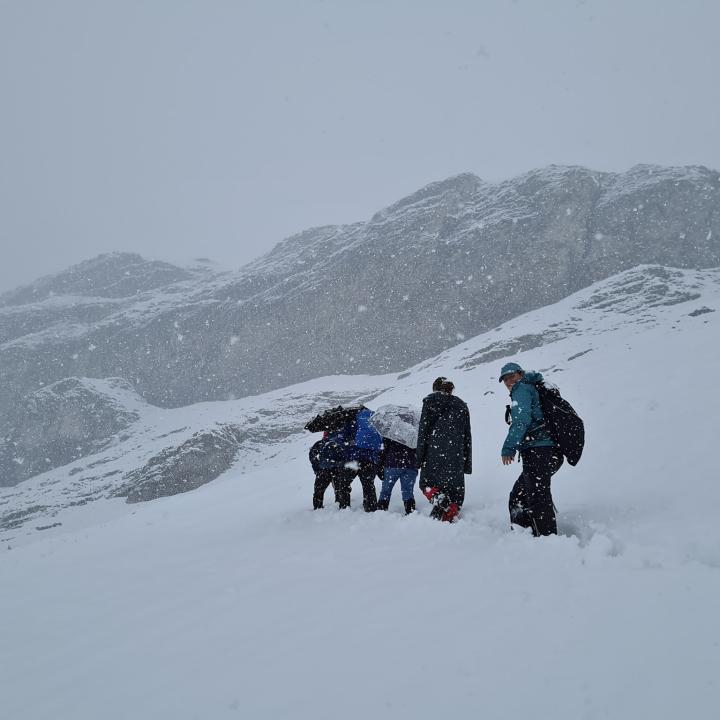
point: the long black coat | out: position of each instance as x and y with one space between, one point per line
444 450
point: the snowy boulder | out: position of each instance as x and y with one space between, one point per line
197 461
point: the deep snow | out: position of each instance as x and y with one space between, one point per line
236 600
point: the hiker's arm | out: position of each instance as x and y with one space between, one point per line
422 435
520 408
467 450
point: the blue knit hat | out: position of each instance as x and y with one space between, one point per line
508 369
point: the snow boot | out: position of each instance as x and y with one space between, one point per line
438 500
410 506
451 513
383 504
437 512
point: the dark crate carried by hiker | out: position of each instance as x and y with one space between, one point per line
543 428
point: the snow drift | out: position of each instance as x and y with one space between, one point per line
235 600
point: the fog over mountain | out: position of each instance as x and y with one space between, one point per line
453 260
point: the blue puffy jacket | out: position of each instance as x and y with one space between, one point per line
527 429
366 436
365 442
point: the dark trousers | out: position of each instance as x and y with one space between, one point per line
531 503
343 482
366 472
340 479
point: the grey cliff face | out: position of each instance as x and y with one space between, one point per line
65 421
447 263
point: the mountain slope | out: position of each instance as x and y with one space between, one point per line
236 600
451 261
145 459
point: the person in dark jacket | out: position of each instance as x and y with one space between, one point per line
444 450
530 502
399 463
328 459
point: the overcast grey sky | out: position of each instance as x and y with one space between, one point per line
186 128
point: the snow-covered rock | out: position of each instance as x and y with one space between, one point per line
65 421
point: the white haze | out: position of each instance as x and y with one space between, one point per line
185 129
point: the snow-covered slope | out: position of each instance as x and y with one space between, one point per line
236 600
140 462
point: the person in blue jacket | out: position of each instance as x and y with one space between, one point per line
365 454
530 502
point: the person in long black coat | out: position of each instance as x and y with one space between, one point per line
444 450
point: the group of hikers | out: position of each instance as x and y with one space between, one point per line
356 442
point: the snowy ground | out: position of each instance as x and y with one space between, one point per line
237 601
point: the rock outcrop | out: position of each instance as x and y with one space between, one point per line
63 422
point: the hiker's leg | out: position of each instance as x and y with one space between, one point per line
343 479
366 473
455 494
390 477
540 464
517 502
323 478
407 484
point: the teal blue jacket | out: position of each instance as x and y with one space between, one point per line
527 418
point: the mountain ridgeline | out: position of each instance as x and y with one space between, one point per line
454 259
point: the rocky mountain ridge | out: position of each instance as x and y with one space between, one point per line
449 262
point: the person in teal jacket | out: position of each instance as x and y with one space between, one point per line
530 503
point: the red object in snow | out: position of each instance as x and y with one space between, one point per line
451 513
430 493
